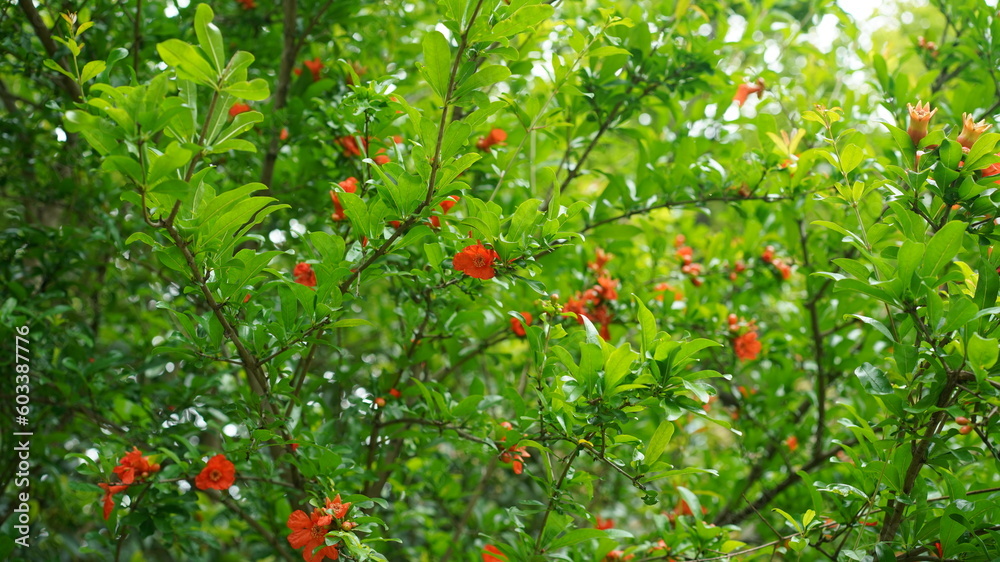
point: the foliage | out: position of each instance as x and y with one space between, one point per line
645 279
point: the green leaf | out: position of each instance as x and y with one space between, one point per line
330 247
190 65
522 19
874 324
982 352
607 51
658 443
647 325
850 157
576 536
209 36
484 78
873 380
254 90
91 70
523 219
437 62
942 247
618 365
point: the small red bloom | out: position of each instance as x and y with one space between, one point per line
516 325
679 240
476 261
337 508
446 206
603 524
109 499
495 137
768 254
395 393
284 134
133 466
238 108
218 474
315 66
746 346
600 260
247 4
500 557
309 532
350 145
350 185
745 90
792 443
295 447
685 253
608 288
971 131
304 275
615 555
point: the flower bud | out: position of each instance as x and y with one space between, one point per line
971 131
920 116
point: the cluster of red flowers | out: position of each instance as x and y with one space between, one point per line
616 555
745 90
686 255
309 531
238 108
247 4
593 302
783 268
604 524
476 261
315 66
133 468
350 185
929 46
513 455
381 401
682 509
745 344
495 137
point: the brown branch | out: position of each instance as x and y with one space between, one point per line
35 19
289 52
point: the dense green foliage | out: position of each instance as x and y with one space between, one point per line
497 273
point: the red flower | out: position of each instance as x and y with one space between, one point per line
337 508
992 169
493 550
576 306
784 268
350 145
516 325
746 346
295 447
315 66
218 474
685 253
446 206
309 532
284 134
679 240
395 393
496 136
476 261
350 185
920 116
248 4
768 254
603 524
792 443
133 466
608 288
745 90
601 259
618 555
238 108
304 275
971 131
109 500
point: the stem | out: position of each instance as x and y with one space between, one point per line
552 500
